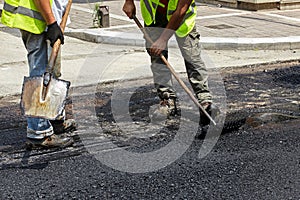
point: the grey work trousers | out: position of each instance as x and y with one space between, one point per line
190 49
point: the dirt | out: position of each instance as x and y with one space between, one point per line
249 90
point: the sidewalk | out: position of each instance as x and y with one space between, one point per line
229 37
220 28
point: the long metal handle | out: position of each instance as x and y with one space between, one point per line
183 85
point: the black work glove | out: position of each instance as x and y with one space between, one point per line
53 33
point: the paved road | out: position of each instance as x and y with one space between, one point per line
255 163
251 163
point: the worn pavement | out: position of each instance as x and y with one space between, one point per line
257 163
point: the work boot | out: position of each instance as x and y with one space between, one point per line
64 126
204 122
53 141
211 109
202 132
168 105
167 108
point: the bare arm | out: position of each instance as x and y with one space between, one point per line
54 32
129 8
46 10
175 21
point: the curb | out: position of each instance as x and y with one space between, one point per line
208 43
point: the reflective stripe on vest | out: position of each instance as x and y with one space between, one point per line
23 11
23 14
148 11
148 8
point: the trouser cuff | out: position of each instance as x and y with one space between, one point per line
33 134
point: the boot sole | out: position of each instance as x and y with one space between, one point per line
30 146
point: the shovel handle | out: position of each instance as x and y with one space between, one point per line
56 46
183 85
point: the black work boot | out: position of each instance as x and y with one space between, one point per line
204 122
53 141
212 110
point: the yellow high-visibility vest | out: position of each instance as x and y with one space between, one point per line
23 14
148 9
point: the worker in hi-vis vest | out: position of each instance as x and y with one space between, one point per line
163 19
38 21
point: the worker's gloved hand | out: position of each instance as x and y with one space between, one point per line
53 33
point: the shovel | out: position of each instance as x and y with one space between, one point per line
182 84
45 96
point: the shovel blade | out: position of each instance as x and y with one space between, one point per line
32 104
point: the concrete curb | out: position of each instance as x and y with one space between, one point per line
208 43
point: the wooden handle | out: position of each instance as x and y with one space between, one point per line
65 17
183 85
56 46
